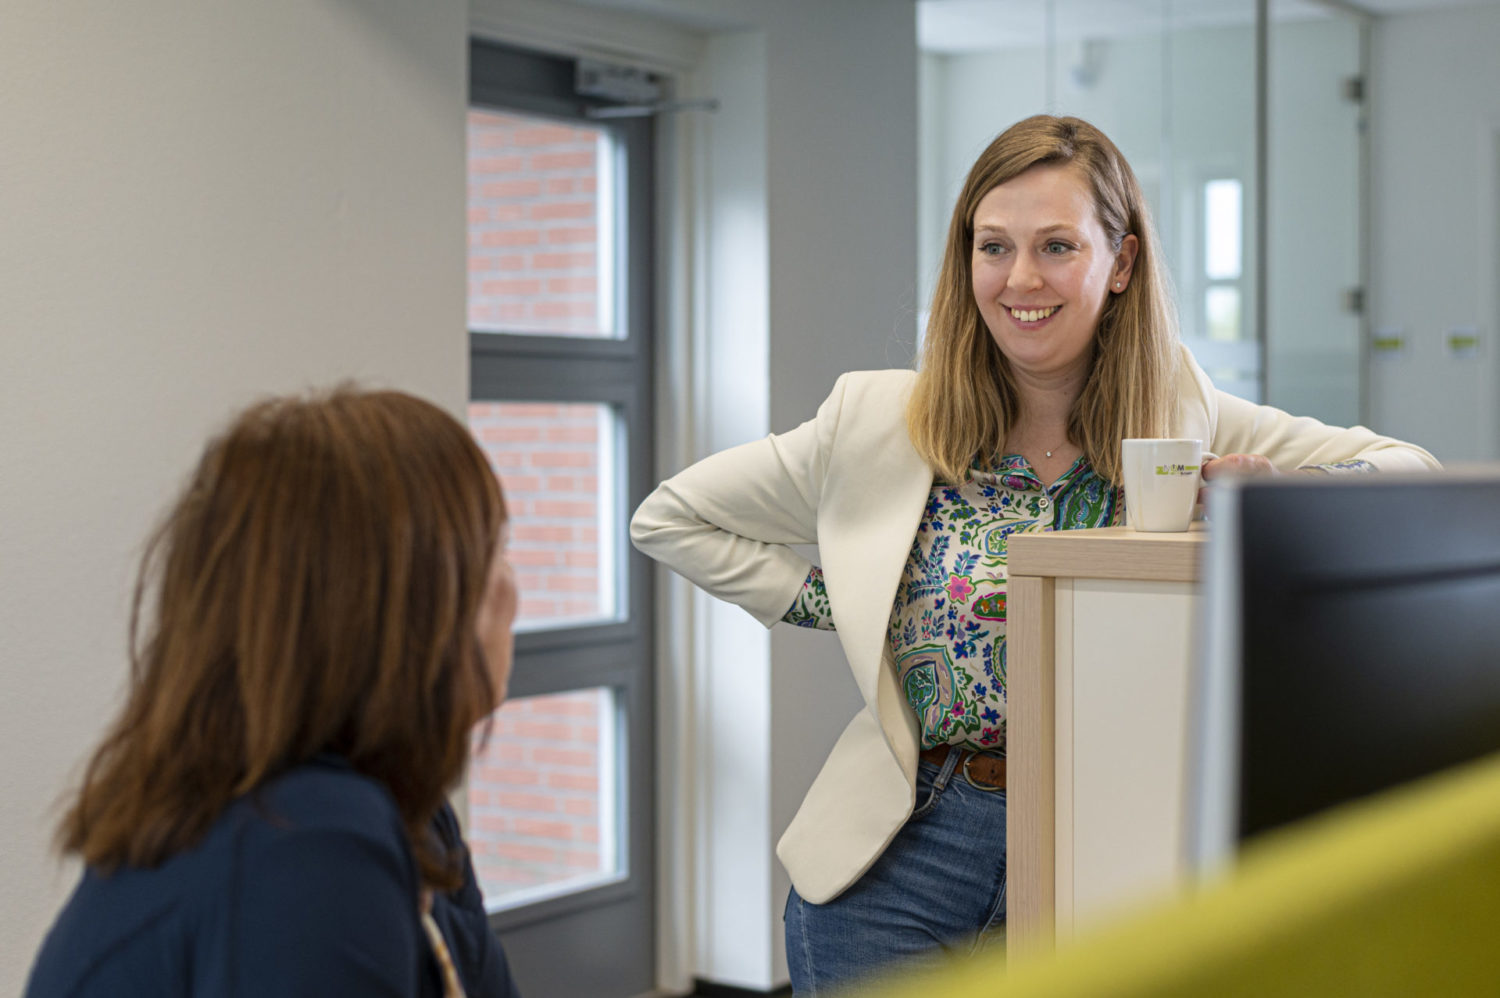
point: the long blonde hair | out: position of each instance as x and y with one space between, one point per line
316 590
965 398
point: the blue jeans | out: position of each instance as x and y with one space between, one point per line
937 890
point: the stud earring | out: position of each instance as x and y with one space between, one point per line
1118 285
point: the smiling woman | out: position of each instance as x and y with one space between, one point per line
1043 267
1051 340
1050 215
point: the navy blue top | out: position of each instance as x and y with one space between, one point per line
306 887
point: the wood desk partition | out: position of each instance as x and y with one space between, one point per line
1099 637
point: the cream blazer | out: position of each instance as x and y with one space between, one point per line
850 481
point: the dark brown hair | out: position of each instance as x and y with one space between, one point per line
315 590
965 398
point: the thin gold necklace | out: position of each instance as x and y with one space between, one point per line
1049 453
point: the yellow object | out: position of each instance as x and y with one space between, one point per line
1398 895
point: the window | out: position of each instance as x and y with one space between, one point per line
541 226
542 798
1222 265
558 463
560 799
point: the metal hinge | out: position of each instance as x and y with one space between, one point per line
638 92
1354 301
1354 89
626 84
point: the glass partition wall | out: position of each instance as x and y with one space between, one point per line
1315 360
1221 106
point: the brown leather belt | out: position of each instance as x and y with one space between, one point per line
982 770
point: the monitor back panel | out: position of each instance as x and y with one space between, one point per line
1370 638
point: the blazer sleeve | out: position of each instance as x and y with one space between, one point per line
1291 442
727 523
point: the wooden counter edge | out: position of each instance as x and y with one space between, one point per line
1031 734
1108 553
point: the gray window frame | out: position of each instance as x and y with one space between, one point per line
618 372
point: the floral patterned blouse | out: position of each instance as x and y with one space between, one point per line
947 630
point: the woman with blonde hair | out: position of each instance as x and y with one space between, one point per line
1052 338
332 612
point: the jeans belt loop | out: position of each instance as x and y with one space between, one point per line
946 773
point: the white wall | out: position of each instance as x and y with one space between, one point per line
202 202
735 935
1435 88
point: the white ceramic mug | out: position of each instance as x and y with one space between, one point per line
1162 477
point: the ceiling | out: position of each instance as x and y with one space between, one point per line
986 25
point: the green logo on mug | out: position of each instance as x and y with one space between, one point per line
1175 469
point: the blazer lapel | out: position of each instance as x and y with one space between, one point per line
866 523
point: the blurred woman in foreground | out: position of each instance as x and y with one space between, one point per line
268 815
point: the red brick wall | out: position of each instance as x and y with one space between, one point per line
534 790
533 226
534 797
548 459
534 266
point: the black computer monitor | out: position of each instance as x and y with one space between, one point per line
1349 642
